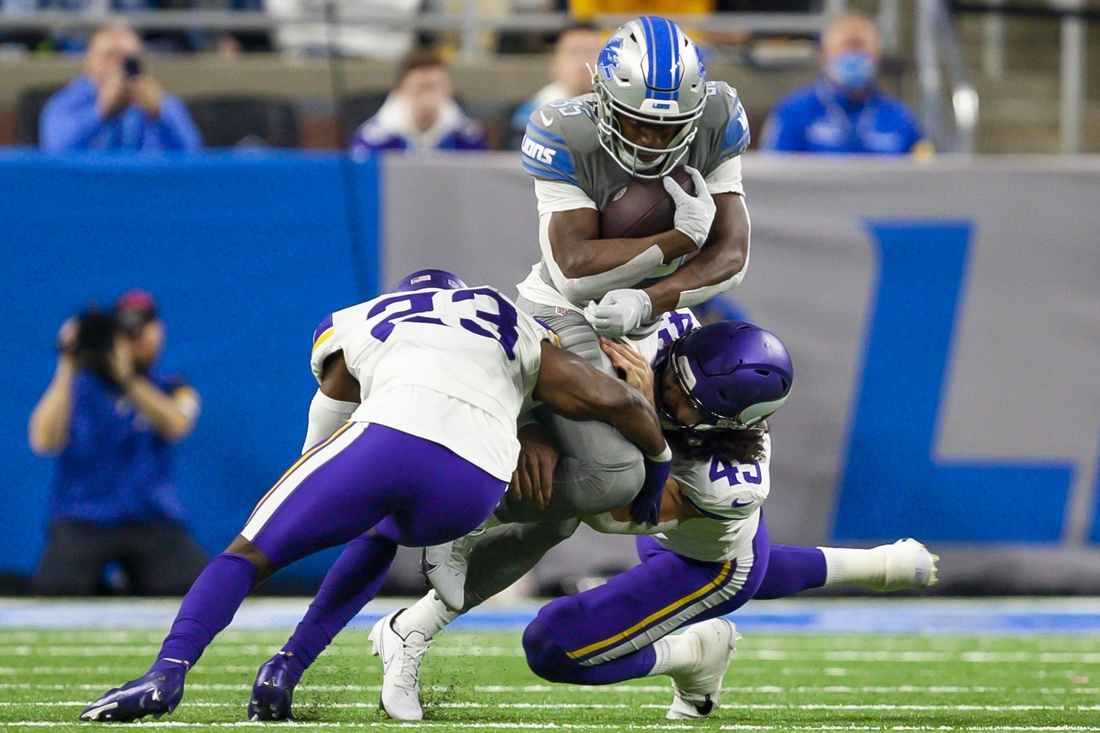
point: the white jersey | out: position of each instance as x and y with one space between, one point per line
451 366
728 495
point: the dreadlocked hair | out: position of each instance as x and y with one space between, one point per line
731 446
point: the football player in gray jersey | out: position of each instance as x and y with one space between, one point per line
652 110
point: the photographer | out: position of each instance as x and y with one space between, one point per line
112 421
114 105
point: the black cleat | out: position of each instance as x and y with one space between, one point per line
273 691
157 693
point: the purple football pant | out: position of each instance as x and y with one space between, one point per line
605 635
368 485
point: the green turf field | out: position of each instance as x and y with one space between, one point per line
480 681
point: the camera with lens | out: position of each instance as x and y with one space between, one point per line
95 340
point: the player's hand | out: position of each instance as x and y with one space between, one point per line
646 507
694 214
636 370
533 479
619 312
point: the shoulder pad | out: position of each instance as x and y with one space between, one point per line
674 325
735 490
546 155
727 117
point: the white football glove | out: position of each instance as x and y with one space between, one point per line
694 214
619 312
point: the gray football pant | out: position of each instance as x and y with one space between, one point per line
599 470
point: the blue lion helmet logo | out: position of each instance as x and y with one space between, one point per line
609 57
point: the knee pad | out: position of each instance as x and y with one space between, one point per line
544 656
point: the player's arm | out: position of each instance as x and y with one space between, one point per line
719 265
571 385
674 510
579 252
574 387
334 402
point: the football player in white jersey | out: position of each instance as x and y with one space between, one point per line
440 374
709 556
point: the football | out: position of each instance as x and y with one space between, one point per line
642 208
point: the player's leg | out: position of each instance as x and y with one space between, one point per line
619 631
904 564
503 556
350 583
331 495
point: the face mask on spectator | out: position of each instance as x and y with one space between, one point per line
852 71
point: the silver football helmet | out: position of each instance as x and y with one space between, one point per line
649 71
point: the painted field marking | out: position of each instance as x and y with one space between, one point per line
580 726
732 706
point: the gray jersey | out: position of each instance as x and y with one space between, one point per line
561 143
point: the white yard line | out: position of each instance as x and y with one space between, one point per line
730 706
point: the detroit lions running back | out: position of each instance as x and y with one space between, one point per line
652 110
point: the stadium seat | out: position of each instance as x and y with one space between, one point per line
241 121
31 102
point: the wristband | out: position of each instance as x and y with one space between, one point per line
663 457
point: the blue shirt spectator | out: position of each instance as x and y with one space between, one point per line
114 106
817 119
420 114
112 421
844 111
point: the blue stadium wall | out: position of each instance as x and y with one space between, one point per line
246 254
946 351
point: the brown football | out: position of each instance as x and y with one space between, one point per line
642 208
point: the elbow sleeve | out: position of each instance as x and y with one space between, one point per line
580 290
326 415
690 298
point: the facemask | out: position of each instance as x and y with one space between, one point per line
852 71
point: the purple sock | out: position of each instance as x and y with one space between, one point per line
207 609
352 581
792 570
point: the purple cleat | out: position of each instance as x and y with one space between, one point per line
157 693
273 691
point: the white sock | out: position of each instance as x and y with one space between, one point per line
676 654
428 616
861 567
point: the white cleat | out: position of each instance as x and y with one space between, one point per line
446 566
698 691
401 659
908 564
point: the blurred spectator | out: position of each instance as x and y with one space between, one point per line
112 420
114 106
420 113
571 67
844 111
373 41
588 8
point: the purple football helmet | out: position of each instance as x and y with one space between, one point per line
424 279
736 374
